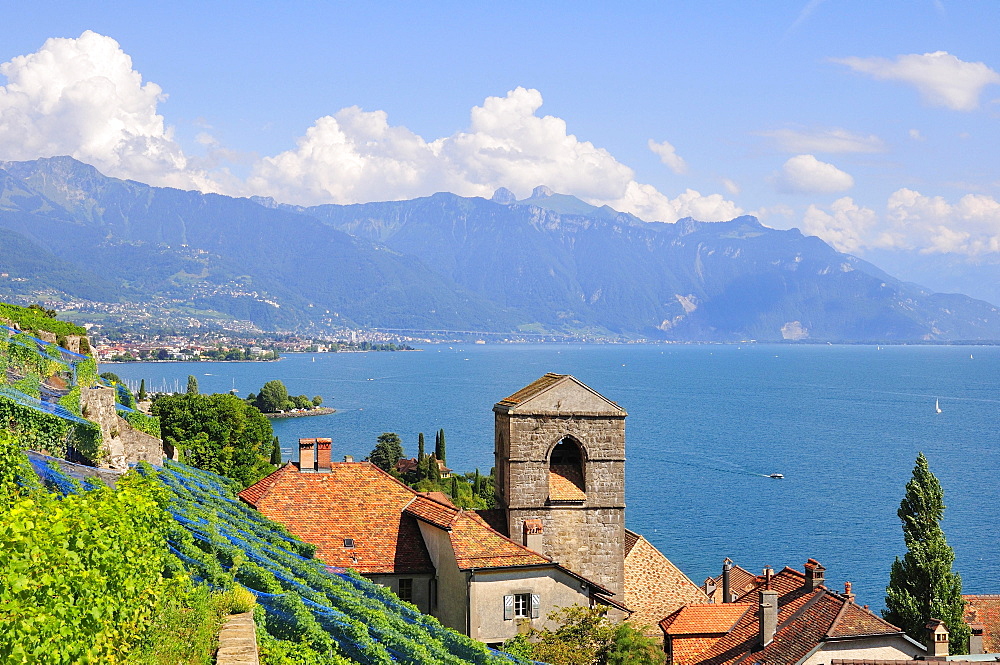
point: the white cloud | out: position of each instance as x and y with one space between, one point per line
357 155
731 186
668 155
847 226
81 97
931 224
805 173
916 135
941 78
832 140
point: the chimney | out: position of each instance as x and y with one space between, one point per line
814 574
533 534
323 455
348 458
307 455
937 638
767 614
710 588
768 574
976 637
727 566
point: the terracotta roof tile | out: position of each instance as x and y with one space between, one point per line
740 582
532 389
985 610
476 545
566 483
805 619
496 518
654 587
705 619
355 500
432 512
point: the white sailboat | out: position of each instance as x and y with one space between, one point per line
937 406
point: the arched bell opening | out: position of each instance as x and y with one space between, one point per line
567 482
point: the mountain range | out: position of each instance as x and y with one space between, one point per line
550 263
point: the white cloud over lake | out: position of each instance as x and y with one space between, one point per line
830 140
941 78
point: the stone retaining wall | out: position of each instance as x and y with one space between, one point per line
238 641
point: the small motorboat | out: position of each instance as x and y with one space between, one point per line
776 475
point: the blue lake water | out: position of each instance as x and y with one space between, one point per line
706 424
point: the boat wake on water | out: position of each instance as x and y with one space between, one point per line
738 471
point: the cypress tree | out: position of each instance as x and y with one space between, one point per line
422 470
435 470
476 481
276 452
454 487
141 396
192 388
439 448
922 585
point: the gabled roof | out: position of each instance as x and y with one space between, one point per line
985 610
714 618
654 586
356 500
806 619
558 393
740 582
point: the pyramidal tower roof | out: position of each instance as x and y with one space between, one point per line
558 394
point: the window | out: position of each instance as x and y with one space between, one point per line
405 591
521 606
348 542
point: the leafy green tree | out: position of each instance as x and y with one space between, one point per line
922 585
586 636
273 397
276 453
218 433
142 396
192 387
111 376
439 446
317 400
387 452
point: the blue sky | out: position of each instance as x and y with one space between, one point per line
873 125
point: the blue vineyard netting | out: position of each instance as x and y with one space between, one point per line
45 407
303 598
66 356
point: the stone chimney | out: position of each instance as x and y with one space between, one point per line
533 534
727 566
847 592
348 458
937 638
767 614
976 637
768 574
307 455
814 575
323 455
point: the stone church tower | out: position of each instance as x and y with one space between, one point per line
560 465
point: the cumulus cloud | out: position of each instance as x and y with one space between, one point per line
81 97
847 226
668 155
941 78
806 174
832 140
356 155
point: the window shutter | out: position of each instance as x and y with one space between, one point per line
536 603
508 608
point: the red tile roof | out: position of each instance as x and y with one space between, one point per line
985 610
740 582
358 500
654 586
566 483
714 618
805 619
355 500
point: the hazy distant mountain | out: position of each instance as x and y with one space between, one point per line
975 276
444 262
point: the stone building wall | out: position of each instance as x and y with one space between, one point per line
123 444
588 538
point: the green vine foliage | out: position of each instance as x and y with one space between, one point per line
143 423
33 319
83 575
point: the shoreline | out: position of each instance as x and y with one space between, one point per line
318 411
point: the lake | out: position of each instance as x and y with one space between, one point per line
706 424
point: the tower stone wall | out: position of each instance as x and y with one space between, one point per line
583 533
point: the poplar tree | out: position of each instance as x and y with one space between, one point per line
922 585
192 387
